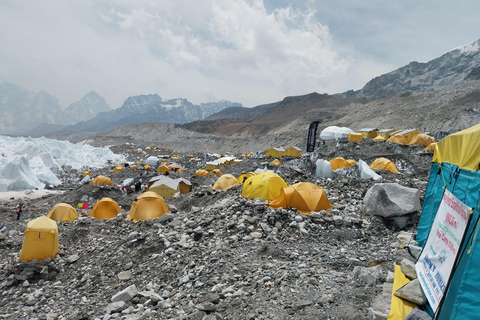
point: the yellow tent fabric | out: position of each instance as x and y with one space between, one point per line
430 147
244 176
266 186
63 212
118 169
105 208
102 180
201 172
379 139
397 138
148 205
275 152
384 164
385 133
339 163
460 148
225 182
293 152
147 167
275 162
399 308
409 134
304 196
134 167
164 190
86 173
354 137
212 166
163 168
184 187
422 139
40 240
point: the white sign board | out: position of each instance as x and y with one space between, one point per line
435 264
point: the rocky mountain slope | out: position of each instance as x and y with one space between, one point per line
417 77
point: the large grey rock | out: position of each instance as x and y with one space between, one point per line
391 199
126 294
418 314
116 306
408 268
412 292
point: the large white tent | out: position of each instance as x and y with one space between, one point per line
334 133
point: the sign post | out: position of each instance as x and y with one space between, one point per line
436 263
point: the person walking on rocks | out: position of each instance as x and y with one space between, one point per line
19 211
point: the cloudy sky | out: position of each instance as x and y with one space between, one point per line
248 51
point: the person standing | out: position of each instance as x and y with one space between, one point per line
19 211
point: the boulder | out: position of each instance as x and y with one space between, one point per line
391 199
418 314
412 292
126 294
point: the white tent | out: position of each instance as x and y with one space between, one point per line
151 161
334 133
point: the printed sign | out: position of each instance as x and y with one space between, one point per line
440 251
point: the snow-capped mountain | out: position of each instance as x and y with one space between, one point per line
88 107
21 110
148 108
417 77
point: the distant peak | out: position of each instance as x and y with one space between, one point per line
469 47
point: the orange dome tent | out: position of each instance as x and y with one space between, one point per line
105 208
304 196
102 180
397 138
225 182
148 205
216 172
203 173
384 164
63 212
275 162
422 139
430 147
379 139
339 163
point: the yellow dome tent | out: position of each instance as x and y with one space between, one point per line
422 139
63 212
147 167
225 182
203 173
118 169
304 196
266 186
134 167
105 208
102 180
379 139
397 138
163 168
355 137
148 205
275 162
40 240
86 173
384 164
340 162
216 172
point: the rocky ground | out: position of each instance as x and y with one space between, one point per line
217 255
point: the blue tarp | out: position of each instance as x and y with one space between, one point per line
462 299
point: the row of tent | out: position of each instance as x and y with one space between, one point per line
377 164
409 136
41 235
280 152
